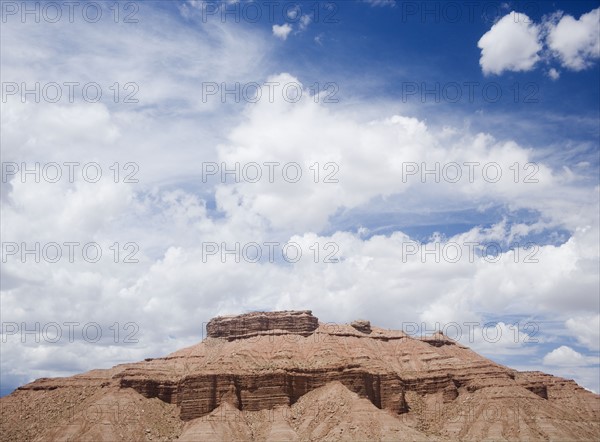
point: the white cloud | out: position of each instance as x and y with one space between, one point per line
282 31
305 20
576 42
553 74
586 329
381 2
565 356
515 43
169 97
500 338
347 141
294 13
512 44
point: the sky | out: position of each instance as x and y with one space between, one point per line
423 165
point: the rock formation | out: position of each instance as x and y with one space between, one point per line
285 376
301 323
362 326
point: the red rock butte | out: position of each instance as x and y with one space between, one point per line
286 376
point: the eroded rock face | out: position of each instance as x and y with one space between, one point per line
258 323
200 395
255 364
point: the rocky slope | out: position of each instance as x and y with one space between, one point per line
285 376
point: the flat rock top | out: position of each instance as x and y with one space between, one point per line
250 324
257 314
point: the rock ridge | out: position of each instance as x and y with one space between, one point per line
298 379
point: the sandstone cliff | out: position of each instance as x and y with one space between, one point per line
285 376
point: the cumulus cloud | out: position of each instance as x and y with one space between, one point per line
512 44
516 44
571 364
347 142
282 31
565 356
576 42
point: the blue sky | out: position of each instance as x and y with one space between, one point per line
400 92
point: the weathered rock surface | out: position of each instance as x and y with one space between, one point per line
362 326
259 323
285 376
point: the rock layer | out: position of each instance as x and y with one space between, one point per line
259 323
